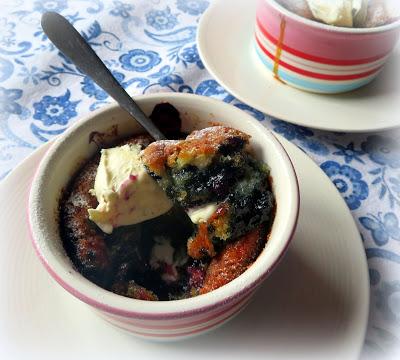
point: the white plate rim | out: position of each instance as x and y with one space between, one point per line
289 147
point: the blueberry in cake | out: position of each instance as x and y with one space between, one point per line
213 166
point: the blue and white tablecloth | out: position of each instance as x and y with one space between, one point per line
150 46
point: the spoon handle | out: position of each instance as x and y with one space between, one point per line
68 40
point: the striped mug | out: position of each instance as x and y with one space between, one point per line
317 57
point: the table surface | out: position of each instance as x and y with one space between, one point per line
150 46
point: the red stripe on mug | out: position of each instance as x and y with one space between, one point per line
317 58
317 75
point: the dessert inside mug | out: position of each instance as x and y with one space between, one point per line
346 13
119 225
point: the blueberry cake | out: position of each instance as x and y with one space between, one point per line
170 256
213 165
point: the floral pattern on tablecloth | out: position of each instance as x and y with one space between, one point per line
150 46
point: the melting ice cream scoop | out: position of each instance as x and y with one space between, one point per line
346 13
126 193
359 12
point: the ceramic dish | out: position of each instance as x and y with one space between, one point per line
317 57
314 306
233 62
160 319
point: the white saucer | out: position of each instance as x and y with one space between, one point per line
314 306
225 43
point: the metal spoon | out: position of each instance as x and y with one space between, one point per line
68 40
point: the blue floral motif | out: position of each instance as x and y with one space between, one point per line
295 132
192 7
93 32
290 131
52 76
50 5
210 88
395 182
121 9
93 90
8 104
191 55
112 42
349 153
315 146
178 37
6 69
388 300
7 32
374 277
161 19
389 187
253 112
30 75
139 60
165 78
170 79
382 229
348 181
55 110
383 150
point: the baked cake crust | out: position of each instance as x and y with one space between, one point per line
198 149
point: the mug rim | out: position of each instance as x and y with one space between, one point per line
331 28
161 309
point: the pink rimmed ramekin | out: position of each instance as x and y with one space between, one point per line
163 320
316 57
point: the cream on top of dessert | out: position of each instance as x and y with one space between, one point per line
126 193
346 13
